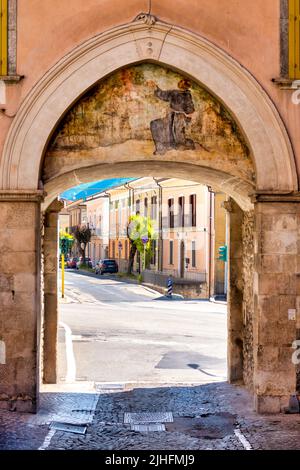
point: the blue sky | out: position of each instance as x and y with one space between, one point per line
85 190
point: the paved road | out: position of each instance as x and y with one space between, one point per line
118 332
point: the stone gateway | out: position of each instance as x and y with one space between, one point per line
166 94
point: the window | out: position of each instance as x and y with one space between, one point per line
154 207
153 252
171 213
181 211
193 210
294 39
193 254
113 249
126 249
138 206
146 207
3 37
171 252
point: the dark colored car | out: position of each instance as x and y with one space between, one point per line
72 263
107 266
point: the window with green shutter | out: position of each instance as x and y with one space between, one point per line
3 37
294 39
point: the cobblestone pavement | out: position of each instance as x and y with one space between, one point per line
212 417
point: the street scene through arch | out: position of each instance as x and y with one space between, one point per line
155 112
152 262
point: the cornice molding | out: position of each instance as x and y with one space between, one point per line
22 196
268 197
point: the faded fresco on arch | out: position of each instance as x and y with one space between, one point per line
154 112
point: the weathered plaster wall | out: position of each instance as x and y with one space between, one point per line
118 115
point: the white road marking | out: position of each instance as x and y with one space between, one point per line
71 364
47 440
245 443
90 403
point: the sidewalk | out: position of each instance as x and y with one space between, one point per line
152 288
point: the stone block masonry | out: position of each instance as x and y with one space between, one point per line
19 303
276 283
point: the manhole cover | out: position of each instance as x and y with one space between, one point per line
144 418
68 427
148 427
208 426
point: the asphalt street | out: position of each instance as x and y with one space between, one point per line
118 332
123 351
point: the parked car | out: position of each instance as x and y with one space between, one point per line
88 262
106 266
72 263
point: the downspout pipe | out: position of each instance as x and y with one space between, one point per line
131 195
210 267
109 203
160 227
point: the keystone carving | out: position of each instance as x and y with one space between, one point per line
146 18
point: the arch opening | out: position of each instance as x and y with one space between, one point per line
254 166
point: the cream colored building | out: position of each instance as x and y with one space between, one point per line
97 208
189 223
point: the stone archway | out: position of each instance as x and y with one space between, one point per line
274 272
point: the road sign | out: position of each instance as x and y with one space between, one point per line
223 253
145 239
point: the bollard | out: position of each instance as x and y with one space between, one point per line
170 287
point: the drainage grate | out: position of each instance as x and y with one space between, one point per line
148 427
68 427
102 387
144 418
